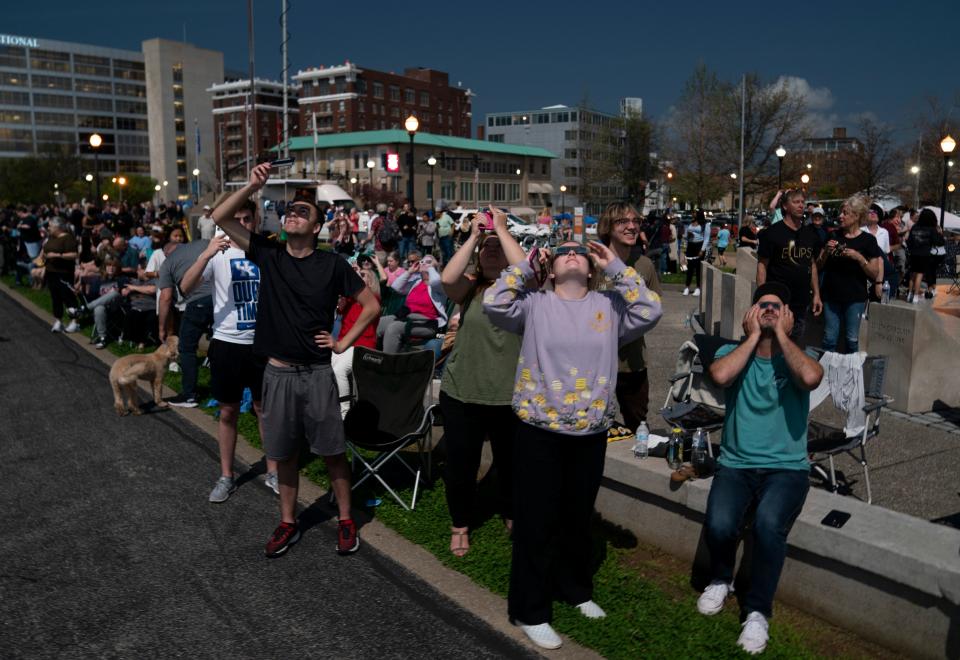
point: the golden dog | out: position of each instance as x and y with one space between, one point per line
149 367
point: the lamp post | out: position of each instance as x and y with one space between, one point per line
665 193
781 152
121 182
733 190
89 180
370 166
563 192
411 124
432 162
56 193
950 189
915 171
165 184
805 179
196 175
156 189
95 142
947 145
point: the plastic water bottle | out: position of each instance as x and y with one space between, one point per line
885 296
675 449
641 445
699 449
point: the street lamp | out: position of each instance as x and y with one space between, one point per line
56 193
781 152
156 189
733 190
105 197
95 142
432 162
950 189
121 182
563 192
411 124
89 180
196 174
805 179
370 166
809 166
915 170
947 145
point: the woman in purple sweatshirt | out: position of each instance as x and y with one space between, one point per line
564 393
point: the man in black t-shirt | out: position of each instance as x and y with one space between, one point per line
299 288
407 222
787 253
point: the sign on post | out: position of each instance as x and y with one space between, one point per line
578 223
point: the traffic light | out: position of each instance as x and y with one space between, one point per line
476 162
393 162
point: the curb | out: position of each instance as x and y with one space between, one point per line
464 592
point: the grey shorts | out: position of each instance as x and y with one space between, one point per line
300 403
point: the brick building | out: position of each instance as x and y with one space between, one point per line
833 163
230 103
346 98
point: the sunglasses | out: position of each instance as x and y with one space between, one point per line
299 210
579 250
769 305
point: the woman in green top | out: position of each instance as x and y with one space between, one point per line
477 387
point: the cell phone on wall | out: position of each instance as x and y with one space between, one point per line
836 519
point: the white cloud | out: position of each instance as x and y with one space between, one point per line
817 99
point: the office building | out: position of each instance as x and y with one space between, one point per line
631 106
347 98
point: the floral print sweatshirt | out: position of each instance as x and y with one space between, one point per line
567 371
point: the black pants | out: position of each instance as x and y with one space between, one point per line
465 425
140 326
197 318
633 395
61 292
556 479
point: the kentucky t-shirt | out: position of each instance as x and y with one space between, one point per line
790 256
298 298
843 279
236 287
766 416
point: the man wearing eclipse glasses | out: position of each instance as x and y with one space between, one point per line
763 456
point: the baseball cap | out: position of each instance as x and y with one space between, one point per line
818 211
777 289
206 207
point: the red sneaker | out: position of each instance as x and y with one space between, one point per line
348 541
283 537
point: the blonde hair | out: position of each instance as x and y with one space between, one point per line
614 211
371 280
859 205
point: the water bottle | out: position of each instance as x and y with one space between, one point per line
641 445
885 296
699 449
675 449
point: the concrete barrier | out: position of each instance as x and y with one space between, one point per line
888 577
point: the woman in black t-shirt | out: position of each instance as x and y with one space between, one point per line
747 236
851 261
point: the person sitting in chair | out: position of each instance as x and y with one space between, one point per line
424 307
763 456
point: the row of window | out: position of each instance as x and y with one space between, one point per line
49 60
562 117
84 121
409 96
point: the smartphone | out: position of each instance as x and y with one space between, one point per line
835 519
486 220
282 162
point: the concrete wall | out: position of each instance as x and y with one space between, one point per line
886 576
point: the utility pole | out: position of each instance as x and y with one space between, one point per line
284 37
743 130
251 107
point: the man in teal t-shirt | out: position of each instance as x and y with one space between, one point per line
763 456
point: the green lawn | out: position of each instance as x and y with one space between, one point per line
650 605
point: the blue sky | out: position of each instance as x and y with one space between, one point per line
849 57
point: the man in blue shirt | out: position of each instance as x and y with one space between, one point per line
763 456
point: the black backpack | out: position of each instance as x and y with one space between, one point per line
390 232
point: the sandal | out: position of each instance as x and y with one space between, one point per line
459 541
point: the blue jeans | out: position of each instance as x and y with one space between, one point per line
407 243
779 496
664 259
851 314
197 319
446 248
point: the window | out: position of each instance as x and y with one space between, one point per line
50 82
57 136
466 190
88 86
448 189
499 192
543 167
49 60
514 190
99 105
573 116
342 122
13 57
178 73
483 190
362 87
570 153
394 93
485 166
52 101
131 107
570 171
53 119
14 98
123 89
495 137
90 65
94 121
408 96
131 124
499 167
569 135
13 79
542 117
395 112
16 139
135 145
135 166
425 99
341 86
489 121
377 90
128 70
14 117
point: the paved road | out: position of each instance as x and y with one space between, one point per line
109 548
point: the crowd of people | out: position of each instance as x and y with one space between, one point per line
542 352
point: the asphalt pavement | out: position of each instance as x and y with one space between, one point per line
109 547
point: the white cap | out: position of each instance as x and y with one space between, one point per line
206 207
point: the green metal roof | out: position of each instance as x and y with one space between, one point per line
399 136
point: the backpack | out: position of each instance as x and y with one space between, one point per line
390 232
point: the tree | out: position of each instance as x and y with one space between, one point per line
879 160
638 167
933 124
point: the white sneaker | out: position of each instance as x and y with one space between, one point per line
173 368
542 634
696 291
712 598
591 610
73 326
57 326
754 636
686 291
271 481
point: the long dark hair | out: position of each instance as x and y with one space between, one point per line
927 219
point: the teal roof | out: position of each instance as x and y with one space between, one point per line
399 136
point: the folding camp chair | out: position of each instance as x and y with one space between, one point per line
825 441
693 400
389 414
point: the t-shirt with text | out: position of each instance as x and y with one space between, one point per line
236 288
790 256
